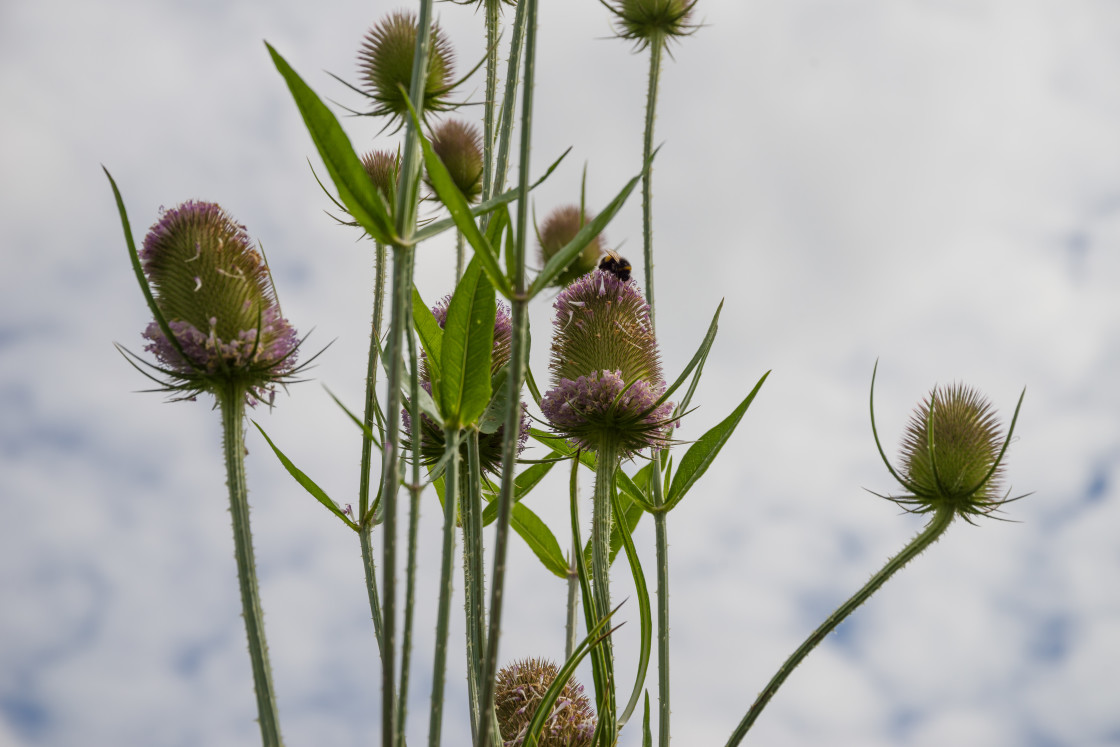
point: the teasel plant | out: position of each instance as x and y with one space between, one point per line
217 329
952 466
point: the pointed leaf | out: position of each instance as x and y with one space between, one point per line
644 614
349 176
431 339
494 416
468 346
522 484
308 484
701 355
702 453
539 538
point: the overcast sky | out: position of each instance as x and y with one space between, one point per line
933 183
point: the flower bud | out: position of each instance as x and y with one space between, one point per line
518 692
559 228
489 444
642 21
216 293
606 369
385 65
459 145
383 168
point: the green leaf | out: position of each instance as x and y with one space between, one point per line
349 176
635 488
494 416
468 346
357 421
308 484
522 484
643 612
702 453
579 242
647 735
539 538
697 360
431 339
460 210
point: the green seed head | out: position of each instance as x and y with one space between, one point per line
459 145
647 21
385 66
560 227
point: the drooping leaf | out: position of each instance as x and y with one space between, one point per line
539 538
522 484
307 483
643 613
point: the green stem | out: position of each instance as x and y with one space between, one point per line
460 252
573 574
366 528
493 19
505 121
232 402
415 488
519 322
473 581
443 615
661 540
408 195
606 464
933 531
656 43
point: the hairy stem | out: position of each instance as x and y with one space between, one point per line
656 43
474 583
232 403
933 531
439 668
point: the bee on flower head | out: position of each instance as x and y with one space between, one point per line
616 265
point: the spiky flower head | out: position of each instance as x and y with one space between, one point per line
559 228
646 21
952 454
606 369
459 145
216 294
383 168
489 444
385 66
518 692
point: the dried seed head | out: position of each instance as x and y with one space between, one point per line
560 227
459 145
606 369
385 66
519 689
216 293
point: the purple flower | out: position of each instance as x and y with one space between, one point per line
215 291
606 370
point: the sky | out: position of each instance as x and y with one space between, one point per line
933 185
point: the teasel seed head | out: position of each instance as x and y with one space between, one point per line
643 21
560 227
606 368
383 168
385 65
519 689
459 145
952 455
215 291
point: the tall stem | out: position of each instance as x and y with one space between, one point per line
573 574
407 198
518 354
493 19
933 531
473 581
606 464
232 403
365 520
656 43
443 615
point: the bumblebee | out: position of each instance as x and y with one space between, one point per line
616 265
